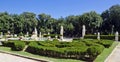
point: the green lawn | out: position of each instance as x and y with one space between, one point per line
105 53
7 49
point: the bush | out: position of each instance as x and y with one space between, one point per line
81 49
55 40
63 44
32 47
94 51
109 37
90 36
106 43
18 46
46 44
7 43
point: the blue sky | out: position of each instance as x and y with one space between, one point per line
56 8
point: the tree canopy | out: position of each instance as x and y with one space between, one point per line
107 23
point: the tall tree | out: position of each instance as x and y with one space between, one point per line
111 19
92 21
29 22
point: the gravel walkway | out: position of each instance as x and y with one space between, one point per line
11 58
115 55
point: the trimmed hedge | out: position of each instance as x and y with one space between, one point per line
7 43
108 37
15 45
84 49
90 36
106 43
66 52
18 46
94 51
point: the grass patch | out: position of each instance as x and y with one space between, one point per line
106 52
7 49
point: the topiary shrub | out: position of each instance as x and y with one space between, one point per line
7 43
106 43
94 51
90 36
108 37
18 46
63 44
32 47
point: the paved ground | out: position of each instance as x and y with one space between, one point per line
115 55
11 58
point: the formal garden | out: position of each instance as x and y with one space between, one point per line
89 37
78 49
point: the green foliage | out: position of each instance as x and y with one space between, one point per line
18 45
106 43
108 37
106 23
90 36
77 49
94 51
7 43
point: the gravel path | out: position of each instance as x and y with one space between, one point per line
115 55
11 58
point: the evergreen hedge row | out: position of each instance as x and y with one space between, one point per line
87 49
15 45
18 46
83 49
108 37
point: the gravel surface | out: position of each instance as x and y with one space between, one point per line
11 58
115 55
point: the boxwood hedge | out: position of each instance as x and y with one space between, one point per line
78 49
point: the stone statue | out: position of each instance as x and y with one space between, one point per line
83 31
98 36
116 36
61 32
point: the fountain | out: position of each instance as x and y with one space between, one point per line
34 35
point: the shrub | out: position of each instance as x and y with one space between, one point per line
47 44
18 46
32 47
90 43
94 51
108 37
64 44
55 40
81 49
76 52
7 43
90 36
106 43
